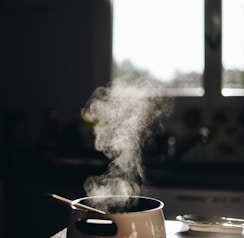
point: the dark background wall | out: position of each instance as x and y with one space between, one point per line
49 67
46 55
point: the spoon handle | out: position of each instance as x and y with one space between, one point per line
77 205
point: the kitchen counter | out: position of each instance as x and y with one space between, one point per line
184 190
176 229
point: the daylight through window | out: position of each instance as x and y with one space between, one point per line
156 38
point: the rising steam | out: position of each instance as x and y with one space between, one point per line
122 114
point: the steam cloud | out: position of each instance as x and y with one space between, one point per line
122 113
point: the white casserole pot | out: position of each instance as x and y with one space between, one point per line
132 217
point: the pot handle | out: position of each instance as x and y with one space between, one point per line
98 227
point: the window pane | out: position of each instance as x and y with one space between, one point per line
162 38
233 47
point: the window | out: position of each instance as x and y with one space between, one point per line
156 37
233 47
167 40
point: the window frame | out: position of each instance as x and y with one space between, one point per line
212 74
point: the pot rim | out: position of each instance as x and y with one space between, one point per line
160 207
